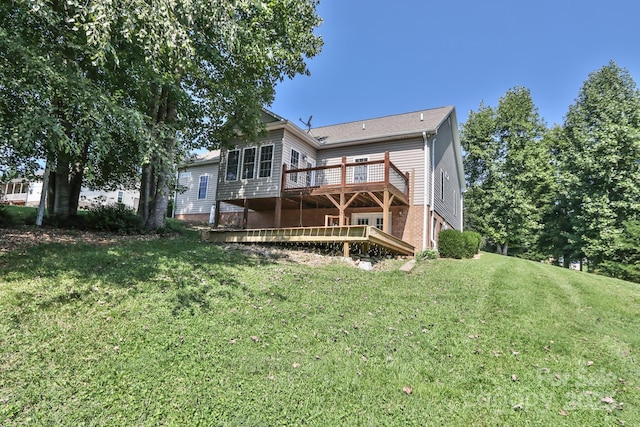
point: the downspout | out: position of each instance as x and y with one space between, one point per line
425 196
175 195
433 189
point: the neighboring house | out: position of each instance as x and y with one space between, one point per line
195 198
22 191
400 173
93 198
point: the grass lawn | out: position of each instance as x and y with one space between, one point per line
174 332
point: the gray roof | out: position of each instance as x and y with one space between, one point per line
383 127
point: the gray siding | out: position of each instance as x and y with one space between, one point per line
256 187
447 183
187 202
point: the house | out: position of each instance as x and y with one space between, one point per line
22 191
402 174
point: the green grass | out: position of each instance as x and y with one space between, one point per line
174 332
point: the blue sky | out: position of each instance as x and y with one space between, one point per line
386 57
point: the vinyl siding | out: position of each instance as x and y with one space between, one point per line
447 183
187 202
255 187
290 142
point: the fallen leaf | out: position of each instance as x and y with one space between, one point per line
514 377
232 341
116 348
564 413
255 338
589 362
407 390
364 358
296 365
608 400
517 407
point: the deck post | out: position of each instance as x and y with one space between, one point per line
343 170
345 249
385 212
341 219
386 168
216 216
278 214
245 214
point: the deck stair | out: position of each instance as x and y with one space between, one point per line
346 235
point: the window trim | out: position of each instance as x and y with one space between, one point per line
237 171
260 161
253 168
294 176
206 186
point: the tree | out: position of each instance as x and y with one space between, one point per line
58 105
148 79
508 171
556 235
208 69
601 170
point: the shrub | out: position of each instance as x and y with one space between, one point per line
472 242
116 218
428 254
6 219
451 244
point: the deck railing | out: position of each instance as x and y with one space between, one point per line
346 174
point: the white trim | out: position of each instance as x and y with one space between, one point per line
206 187
273 149
226 167
242 169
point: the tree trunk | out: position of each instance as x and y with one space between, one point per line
62 188
505 249
43 194
157 174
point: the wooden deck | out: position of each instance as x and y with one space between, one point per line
346 235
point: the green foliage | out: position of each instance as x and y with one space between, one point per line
173 332
452 244
508 170
6 220
625 263
428 254
472 241
600 169
116 218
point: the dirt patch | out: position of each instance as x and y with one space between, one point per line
22 238
26 237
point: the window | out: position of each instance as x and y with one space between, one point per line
185 175
375 219
249 163
294 164
311 174
202 187
120 196
360 172
233 162
266 161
